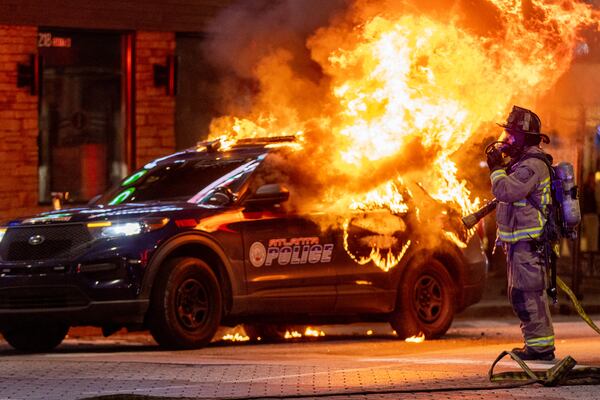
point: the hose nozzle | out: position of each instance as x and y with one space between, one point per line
472 219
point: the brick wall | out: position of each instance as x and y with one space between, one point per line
18 126
154 110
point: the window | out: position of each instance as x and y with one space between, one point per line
83 112
192 180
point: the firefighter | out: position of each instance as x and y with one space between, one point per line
522 188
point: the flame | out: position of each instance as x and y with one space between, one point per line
235 337
313 332
420 338
385 263
455 239
308 332
402 90
292 335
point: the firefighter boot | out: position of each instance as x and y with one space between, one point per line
524 353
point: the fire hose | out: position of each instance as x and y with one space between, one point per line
562 373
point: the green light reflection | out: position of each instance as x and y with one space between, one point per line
121 197
134 178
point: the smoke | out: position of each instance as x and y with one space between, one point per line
255 36
250 30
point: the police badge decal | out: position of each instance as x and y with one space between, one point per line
257 254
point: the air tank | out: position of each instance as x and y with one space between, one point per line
571 214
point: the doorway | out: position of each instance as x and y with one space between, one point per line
84 112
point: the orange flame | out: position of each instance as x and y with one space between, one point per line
403 89
420 338
308 332
292 335
235 337
313 332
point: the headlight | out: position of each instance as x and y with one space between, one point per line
124 229
108 229
2 232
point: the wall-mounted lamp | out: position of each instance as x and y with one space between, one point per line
28 75
166 75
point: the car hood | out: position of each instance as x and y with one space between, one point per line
121 212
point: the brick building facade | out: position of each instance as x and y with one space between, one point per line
50 133
155 110
18 124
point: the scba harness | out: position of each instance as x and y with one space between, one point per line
563 213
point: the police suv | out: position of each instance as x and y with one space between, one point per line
187 244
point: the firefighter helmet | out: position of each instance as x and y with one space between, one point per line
522 120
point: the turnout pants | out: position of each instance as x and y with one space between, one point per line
527 278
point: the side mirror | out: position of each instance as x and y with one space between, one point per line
222 196
268 195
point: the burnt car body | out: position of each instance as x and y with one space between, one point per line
183 246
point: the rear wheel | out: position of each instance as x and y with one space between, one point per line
186 304
425 302
35 337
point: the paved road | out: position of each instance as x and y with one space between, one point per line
348 362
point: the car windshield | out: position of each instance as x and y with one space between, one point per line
180 180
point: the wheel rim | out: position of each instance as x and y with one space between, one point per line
192 304
428 298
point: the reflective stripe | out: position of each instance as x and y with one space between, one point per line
546 197
521 234
526 233
551 337
543 343
497 174
521 203
540 342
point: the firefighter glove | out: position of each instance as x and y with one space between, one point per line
494 159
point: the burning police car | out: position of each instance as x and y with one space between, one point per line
187 244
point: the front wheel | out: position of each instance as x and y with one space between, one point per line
186 304
425 302
35 337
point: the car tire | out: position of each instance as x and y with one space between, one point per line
425 302
268 333
186 304
36 337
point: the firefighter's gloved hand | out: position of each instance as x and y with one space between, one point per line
495 160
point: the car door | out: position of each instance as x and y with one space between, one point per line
288 261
